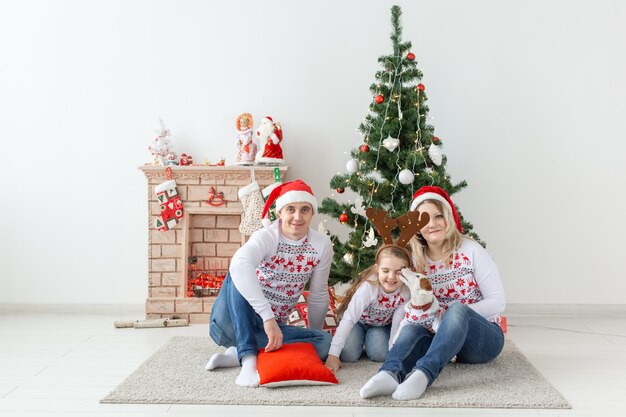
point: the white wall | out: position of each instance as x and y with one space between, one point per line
528 97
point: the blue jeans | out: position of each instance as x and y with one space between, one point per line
376 339
462 332
235 323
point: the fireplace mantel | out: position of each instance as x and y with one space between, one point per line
208 232
214 172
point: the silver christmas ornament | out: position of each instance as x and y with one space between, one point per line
352 166
435 153
406 177
390 143
348 258
371 239
358 206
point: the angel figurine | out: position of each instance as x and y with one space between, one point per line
246 148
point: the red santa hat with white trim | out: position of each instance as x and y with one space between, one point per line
436 193
290 192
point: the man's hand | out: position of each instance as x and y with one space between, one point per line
333 363
274 335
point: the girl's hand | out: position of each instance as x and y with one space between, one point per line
333 363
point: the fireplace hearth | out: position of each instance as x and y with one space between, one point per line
208 233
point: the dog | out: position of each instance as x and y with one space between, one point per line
423 309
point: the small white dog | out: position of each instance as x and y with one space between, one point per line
423 309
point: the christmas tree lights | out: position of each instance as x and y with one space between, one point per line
399 154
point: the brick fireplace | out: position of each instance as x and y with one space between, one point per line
207 232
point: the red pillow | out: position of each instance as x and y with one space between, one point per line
299 314
293 364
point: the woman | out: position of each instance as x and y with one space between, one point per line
467 283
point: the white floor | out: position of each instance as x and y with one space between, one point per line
62 364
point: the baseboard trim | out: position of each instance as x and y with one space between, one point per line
512 310
24 308
565 310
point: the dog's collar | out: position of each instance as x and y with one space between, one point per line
422 307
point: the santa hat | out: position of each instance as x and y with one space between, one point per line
436 193
290 192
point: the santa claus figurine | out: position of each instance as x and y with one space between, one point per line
185 160
270 134
246 148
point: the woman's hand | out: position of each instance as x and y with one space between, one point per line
333 363
274 335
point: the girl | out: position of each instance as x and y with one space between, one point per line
467 283
368 309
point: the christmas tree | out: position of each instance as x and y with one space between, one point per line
399 155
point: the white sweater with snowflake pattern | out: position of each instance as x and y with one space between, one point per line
372 306
271 271
472 278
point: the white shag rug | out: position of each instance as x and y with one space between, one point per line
175 374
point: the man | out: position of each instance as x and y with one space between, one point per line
266 277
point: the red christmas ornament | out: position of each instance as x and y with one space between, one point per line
379 99
364 148
343 218
340 190
410 56
421 87
435 139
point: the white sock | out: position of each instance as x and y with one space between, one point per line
248 377
227 359
380 384
412 388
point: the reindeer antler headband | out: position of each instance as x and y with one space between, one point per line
409 224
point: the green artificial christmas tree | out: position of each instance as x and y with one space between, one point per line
399 155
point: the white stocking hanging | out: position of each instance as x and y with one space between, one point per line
253 203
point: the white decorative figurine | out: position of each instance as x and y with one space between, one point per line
246 148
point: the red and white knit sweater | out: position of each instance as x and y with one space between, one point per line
371 306
282 268
472 278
